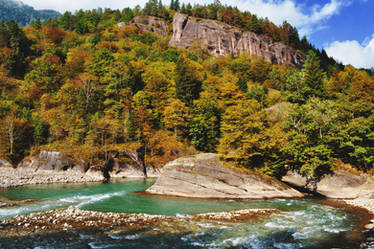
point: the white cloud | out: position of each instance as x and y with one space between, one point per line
296 14
306 19
352 52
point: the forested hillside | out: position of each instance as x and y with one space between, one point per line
22 13
82 85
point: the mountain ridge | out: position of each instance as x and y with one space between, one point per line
23 13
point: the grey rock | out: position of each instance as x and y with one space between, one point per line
149 23
52 160
222 39
204 176
5 164
125 170
342 184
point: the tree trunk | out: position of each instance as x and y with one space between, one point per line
11 134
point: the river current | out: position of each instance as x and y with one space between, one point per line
303 223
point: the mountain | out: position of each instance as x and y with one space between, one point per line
22 13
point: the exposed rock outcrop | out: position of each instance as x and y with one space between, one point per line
47 160
151 23
341 185
56 167
123 169
223 39
204 176
148 23
24 176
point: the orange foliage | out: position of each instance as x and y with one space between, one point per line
127 31
76 61
56 35
165 148
108 45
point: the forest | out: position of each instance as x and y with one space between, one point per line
81 85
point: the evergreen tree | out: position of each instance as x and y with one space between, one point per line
205 126
189 9
172 5
176 5
36 23
188 86
313 77
183 9
19 45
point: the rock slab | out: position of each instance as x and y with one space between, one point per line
204 176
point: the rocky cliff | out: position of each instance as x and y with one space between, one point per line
204 176
223 39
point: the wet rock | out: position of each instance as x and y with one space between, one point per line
222 39
204 176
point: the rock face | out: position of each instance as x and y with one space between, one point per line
48 160
223 39
148 23
151 23
127 170
56 167
342 184
203 176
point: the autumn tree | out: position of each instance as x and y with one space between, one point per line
177 117
248 140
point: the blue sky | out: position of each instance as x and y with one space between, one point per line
344 28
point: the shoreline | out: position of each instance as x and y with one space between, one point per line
366 204
13 178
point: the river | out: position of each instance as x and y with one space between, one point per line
303 223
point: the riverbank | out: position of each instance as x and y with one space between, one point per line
368 205
365 203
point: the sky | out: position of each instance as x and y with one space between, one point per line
344 28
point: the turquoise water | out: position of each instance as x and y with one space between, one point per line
304 223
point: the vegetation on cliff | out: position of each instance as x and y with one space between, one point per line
82 85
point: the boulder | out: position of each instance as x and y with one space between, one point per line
342 184
5 164
204 176
221 39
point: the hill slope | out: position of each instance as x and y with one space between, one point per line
22 13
